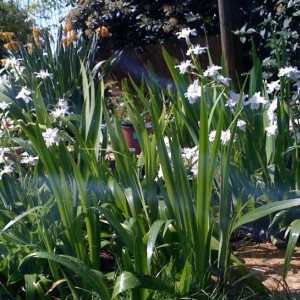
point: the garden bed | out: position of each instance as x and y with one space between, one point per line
268 261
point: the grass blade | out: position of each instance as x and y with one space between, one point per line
265 210
153 233
294 236
128 281
93 280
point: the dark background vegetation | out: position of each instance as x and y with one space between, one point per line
138 23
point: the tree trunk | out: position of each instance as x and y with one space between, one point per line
227 41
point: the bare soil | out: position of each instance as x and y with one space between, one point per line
268 261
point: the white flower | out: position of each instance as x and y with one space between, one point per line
183 67
196 49
225 137
7 123
241 124
272 129
193 92
13 65
43 74
234 99
290 72
212 136
24 94
271 111
51 137
59 112
11 62
185 34
62 103
223 79
29 159
70 148
212 71
273 86
4 105
189 153
256 100
61 109
7 169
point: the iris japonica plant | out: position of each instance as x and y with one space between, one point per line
217 158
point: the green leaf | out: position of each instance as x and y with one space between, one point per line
115 223
183 285
19 217
294 236
40 107
265 210
94 282
119 196
153 233
128 281
30 282
203 195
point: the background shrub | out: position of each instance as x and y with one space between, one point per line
14 20
136 23
269 23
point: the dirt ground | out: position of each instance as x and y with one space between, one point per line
268 261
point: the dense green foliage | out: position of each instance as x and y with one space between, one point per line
138 22
151 226
14 19
82 216
269 24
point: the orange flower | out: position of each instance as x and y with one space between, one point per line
102 31
69 43
11 46
36 36
29 47
4 62
66 42
36 32
73 36
14 45
7 36
7 46
88 32
67 28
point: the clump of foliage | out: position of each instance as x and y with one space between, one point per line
135 23
63 204
14 19
269 23
43 9
14 26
